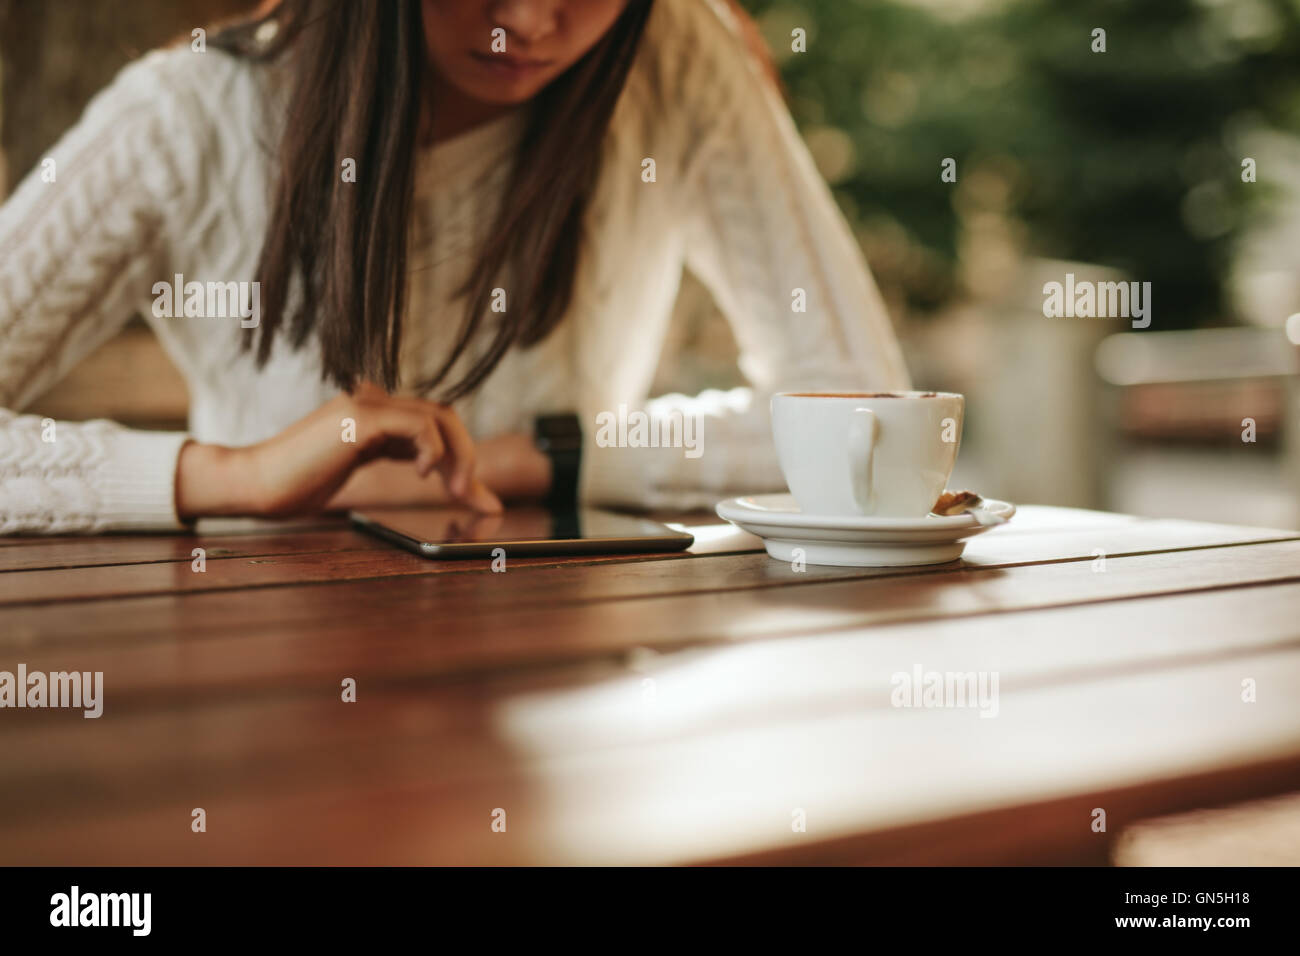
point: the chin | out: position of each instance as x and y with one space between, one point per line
503 94
501 90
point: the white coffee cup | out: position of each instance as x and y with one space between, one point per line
884 454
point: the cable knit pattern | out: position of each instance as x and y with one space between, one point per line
168 171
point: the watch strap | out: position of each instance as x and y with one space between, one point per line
559 437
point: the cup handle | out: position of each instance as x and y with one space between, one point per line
862 447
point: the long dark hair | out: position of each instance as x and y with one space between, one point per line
358 78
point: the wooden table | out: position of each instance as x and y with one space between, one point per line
712 707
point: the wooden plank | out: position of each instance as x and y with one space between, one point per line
83 553
665 796
220 527
1004 547
342 563
266 570
1044 832
294 637
1256 833
1031 519
271 743
238 537
783 679
453 722
1049 519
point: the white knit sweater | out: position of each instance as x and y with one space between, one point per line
168 171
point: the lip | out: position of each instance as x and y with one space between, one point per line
511 67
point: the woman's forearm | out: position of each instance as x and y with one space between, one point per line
213 480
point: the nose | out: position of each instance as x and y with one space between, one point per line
526 20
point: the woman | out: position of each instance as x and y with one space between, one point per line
459 215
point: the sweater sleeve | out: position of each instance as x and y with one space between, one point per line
82 240
765 236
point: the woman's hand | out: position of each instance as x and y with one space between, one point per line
301 469
509 465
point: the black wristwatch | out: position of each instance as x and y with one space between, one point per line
559 438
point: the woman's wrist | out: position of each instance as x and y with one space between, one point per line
513 467
211 481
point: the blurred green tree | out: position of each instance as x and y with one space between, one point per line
1129 157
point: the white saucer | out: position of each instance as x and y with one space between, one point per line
855 542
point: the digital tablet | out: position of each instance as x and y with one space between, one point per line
460 533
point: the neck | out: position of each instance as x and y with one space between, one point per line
448 112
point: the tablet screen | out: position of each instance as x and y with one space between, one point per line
514 525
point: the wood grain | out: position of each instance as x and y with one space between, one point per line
796 677
297 636
637 709
45 554
701 796
336 559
